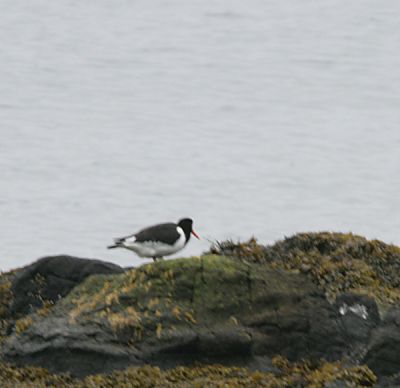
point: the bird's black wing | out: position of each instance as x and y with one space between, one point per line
165 233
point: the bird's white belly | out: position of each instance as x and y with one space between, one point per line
155 248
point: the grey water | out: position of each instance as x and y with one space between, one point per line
252 117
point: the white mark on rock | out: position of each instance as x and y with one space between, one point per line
358 309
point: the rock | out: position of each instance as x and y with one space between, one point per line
341 263
335 262
359 316
301 298
209 309
6 297
51 278
383 354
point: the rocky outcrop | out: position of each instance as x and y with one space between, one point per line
336 262
51 278
211 309
311 296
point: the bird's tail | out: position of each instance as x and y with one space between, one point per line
118 243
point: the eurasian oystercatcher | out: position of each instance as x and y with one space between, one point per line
158 240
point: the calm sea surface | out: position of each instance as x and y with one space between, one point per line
252 117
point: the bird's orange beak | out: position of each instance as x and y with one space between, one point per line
195 234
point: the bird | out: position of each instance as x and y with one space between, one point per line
158 240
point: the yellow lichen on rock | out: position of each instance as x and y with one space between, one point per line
290 375
46 309
127 317
318 374
5 297
190 318
176 312
159 330
22 324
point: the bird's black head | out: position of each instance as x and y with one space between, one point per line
187 226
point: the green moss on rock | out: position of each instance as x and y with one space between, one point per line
157 299
141 297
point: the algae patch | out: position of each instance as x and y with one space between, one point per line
303 374
336 262
138 302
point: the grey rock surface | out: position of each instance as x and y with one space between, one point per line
178 312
